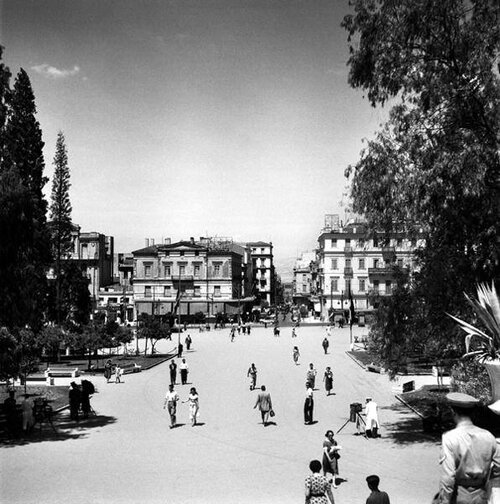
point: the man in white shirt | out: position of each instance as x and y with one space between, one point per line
183 367
372 423
171 399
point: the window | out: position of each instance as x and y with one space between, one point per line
375 263
375 241
196 253
216 290
304 287
388 287
262 263
361 243
113 300
168 270
197 291
181 253
400 263
196 270
304 276
147 270
375 285
399 242
216 269
361 264
182 269
262 250
167 291
413 242
334 242
348 263
263 283
347 242
335 264
362 286
334 284
147 291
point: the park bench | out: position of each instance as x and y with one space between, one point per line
131 367
61 375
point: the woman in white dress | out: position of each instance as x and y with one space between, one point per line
193 406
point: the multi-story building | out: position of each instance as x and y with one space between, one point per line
353 262
208 276
94 252
263 269
305 280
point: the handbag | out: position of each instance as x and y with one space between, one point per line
336 454
271 413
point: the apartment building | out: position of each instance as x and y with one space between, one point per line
353 262
305 280
263 270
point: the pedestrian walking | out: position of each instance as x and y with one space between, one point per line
118 374
308 405
188 342
325 344
377 496
328 330
469 456
311 375
239 329
318 488
184 370
194 406
276 331
244 328
296 355
232 333
252 373
372 423
171 399
108 370
264 404
294 332
87 390
331 456
173 372
74 400
180 349
249 328
328 379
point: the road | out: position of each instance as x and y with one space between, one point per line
128 454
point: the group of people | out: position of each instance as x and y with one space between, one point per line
111 369
79 398
18 417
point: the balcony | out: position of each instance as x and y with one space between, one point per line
348 251
348 272
387 272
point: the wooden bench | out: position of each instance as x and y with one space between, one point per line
61 375
131 367
361 341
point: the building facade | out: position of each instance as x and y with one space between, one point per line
94 252
188 277
263 270
352 262
305 280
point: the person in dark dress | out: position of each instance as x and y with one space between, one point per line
328 379
173 372
108 368
325 344
188 342
74 400
180 349
11 416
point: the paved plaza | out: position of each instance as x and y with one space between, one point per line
128 454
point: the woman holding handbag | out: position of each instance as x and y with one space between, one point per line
331 456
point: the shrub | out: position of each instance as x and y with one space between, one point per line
470 377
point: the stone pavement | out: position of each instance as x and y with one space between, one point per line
128 454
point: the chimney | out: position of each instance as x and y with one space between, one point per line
191 240
147 242
152 241
166 241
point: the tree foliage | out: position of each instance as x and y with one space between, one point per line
154 329
435 164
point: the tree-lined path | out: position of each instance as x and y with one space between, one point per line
132 456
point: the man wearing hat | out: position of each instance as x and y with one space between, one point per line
468 456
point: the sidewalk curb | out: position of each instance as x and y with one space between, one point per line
399 398
358 362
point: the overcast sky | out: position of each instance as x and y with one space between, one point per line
195 117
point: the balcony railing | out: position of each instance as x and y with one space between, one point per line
348 272
389 254
381 272
348 251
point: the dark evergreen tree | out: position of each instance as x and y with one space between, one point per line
25 250
60 215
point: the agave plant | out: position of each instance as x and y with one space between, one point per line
487 309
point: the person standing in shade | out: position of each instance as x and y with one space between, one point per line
469 456
249 328
328 379
264 404
10 410
325 344
27 411
188 342
194 406
252 373
74 400
331 456
171 399
308 405
107 370
318 488
173 372
311 375
184 370
296 355
377 496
